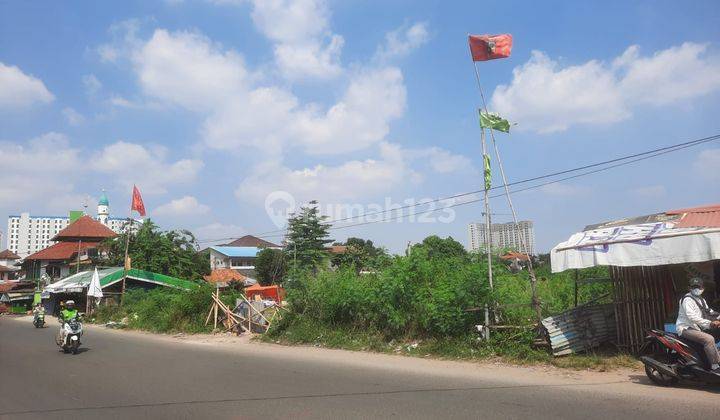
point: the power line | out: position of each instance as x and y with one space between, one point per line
624 160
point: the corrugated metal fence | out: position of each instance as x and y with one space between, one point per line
581 328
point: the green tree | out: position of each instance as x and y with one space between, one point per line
307 238
361 254
173 253
270 266
437 247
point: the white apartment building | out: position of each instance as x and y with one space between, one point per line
28 234
503 235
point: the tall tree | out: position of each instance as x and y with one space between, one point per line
270 266
437 247
360 253
173 253
307 237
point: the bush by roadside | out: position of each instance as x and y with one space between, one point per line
164 310
514 348
418 305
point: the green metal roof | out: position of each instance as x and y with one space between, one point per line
112 275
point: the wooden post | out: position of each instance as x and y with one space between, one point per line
487 324
215 312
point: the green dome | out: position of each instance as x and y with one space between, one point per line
103 200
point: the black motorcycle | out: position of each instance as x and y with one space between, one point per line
39 320
668 358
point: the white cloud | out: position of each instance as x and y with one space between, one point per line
92 84
707 165
402 41
218 231
545 97
304 44
182 207
124 39
262 120
560 189
38 170
442 161
361 118
670 75
352 180
187 70
131 163
19 90
652 191
73 117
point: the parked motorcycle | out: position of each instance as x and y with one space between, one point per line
73 330
39 320
668 358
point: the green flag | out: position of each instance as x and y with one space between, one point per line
494 121
488 174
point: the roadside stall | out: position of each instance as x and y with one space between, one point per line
113 281
651 258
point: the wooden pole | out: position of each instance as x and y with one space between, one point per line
125 259
488 226
215 312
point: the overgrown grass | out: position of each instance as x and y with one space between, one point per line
302 331
418 305
164 310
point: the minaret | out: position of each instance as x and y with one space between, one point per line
103 209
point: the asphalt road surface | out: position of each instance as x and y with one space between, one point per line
129 375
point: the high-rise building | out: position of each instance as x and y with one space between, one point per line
28 234
503 235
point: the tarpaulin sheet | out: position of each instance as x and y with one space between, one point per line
646 244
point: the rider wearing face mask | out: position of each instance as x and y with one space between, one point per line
694 318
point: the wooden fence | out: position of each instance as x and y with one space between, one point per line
643 297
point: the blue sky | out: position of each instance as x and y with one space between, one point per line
211 106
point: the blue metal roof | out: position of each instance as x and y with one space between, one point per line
237 251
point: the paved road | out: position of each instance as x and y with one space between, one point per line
131 375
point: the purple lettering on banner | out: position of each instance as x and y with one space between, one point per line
633 234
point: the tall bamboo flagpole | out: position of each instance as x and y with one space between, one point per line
488 233
523 242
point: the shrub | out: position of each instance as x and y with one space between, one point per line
426 297
165 310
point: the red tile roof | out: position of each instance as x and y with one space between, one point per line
61 251
85 228
703 216
512 255
15 285
224 275
9 255
249 240
337 249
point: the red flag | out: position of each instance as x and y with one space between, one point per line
137 202
490 47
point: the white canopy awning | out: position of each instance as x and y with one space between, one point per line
646 244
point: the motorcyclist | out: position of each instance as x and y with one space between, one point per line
695 319
66 314
38 310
